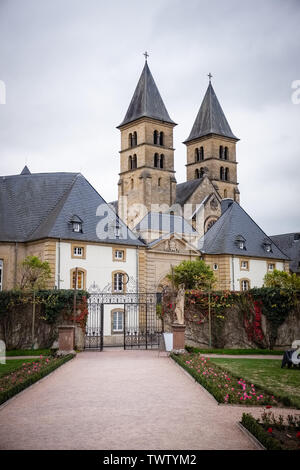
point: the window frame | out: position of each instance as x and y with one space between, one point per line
113 313
247 268
83 248
241 284
115 250
72 275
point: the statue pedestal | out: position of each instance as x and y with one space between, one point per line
66 340
178 338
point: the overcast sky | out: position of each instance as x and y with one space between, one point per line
70 68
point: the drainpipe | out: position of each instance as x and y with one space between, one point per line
232 265
58 267
16 264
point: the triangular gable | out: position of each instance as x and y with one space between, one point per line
173 243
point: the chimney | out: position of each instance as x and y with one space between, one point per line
225 203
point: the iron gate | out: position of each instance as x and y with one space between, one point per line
141 326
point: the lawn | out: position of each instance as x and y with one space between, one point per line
267 374
13 364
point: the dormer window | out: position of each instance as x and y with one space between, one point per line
267 246
240 242
76 227
76 224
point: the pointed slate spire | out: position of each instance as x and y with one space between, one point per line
146 101
210 118
25 171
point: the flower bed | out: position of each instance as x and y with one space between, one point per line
225 387
29 373
274 433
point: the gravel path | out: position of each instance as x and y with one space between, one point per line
120 400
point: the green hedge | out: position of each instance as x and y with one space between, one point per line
6 394
251 424
234 352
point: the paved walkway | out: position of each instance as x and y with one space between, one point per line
120 400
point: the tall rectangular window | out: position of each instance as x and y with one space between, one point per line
118 282
1 274
118 321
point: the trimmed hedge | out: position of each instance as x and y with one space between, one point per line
6 394
234 352
251 424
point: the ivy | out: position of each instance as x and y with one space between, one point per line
53 302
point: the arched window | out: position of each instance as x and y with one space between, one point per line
226 153
245 284
130 162
118 282
226 174
134 161
221 151
201 153
197 155
221 173
162 161
161 138
159 181
156 158
132 183
130 140
201 172
134 139
210 224
155 137
197 173
78 282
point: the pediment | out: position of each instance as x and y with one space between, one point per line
173 244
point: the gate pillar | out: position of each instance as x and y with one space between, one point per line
178 338
66 340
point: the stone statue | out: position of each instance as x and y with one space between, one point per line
179 309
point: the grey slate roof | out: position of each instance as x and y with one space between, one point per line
146 101
186 189
39 205
289 243
165 222
210 118
233 223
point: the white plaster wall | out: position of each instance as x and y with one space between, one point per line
99 264
256 273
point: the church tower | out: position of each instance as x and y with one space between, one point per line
147 173
211 148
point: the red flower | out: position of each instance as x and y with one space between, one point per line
270 430
298 435
268 406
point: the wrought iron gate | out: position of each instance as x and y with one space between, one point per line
141 327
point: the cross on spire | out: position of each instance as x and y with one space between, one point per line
146 55
209 76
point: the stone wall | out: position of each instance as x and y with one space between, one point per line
16 330
229 333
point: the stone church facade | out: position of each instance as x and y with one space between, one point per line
174 220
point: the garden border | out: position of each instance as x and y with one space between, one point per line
16 390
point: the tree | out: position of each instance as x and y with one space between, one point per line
34 276
34 273
282 279
193 274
